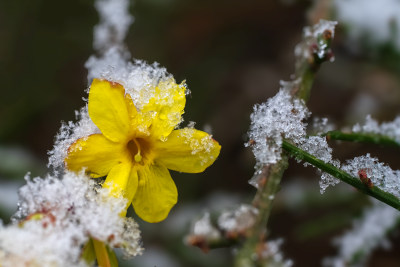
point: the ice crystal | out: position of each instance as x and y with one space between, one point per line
113 62
202 146
271 254
319 148
321 125
313 42
389 129
203 228
141 80
238 220
68 134
56 217
138 78
367 233
381 175
379 21
280 117
114 23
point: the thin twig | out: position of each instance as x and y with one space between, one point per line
373 191
319 51
263 201
371 138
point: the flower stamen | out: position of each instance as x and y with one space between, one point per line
137 157
134 148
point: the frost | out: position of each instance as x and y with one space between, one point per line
368 233
326 181
113 62
381 176
379 21
280 117
204 229
321 125
67 135
56 218
389 129
238 220
313 42
199 146
318 147
271 254
138 78
114 23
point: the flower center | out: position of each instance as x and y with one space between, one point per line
138 148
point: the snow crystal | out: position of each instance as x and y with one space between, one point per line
318 147
381 175
138 78
113 63
379 21
368 233
238 220
272 255
203 228
56 217
389 129
321 126
114 23
67 135
313 42
280 117
202 147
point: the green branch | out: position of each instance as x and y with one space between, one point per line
371 138
342 175
263 201
269 181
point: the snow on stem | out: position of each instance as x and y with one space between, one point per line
314 49
358 183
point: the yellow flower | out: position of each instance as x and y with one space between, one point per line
137 147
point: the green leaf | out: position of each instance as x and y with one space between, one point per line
88 253
112 257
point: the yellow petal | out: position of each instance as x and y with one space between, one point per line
96 154
110 109
122 181
156 193
187 150
165 107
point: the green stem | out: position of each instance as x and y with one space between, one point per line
306 84
263 201
272 174
362 138
342 175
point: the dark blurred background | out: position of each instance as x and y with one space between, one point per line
232 55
